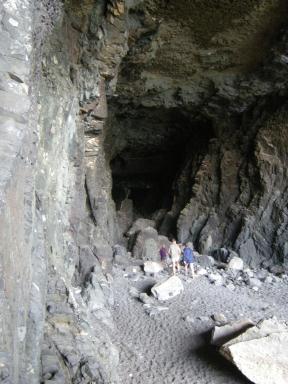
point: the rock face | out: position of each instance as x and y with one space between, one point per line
111 111
54 232
220 115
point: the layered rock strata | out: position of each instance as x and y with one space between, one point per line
191 120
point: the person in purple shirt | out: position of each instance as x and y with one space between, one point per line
164 254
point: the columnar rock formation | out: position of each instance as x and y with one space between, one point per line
180 105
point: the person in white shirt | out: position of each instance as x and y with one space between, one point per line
175 253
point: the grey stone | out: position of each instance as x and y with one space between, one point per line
253 282
277 269
220 335
139 225
145 298
219 318
216 279
204 260
235 263
254 351
134 292
146 245
167 289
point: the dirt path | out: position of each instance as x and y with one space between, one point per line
168 348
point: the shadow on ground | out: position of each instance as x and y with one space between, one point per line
211 356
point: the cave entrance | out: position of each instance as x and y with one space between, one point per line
146 180
153 152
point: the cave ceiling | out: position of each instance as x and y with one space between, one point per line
212 56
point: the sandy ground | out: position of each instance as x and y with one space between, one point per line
170 347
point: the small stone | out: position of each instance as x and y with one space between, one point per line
219 318
230 286
145 298
269 279
133 269
189 319
253 282
216 279
134 292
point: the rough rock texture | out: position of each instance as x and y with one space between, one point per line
111 111
52 109
198 116
167 289
260 352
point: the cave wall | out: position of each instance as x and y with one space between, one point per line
56 251
23 266
76 75
217 78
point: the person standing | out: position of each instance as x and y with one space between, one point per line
188 258
164 254
175 253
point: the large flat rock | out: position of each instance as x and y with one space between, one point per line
261 352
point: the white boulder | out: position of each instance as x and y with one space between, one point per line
236 264
152 267
167 289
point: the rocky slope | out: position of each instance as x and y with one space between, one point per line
187 122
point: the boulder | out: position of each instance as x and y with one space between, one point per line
140 225
269 279
253 282
204 260
120 255
248 272
152 267
262 274
146 245
260 352
236 264
277 269
167 289
222 334
163 240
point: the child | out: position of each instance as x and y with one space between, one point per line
188 258
163 254
175 253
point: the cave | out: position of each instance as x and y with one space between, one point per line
124 124
155 146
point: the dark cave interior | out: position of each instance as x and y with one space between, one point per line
156 147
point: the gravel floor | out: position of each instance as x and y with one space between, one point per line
172 346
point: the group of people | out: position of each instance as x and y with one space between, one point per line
178 253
